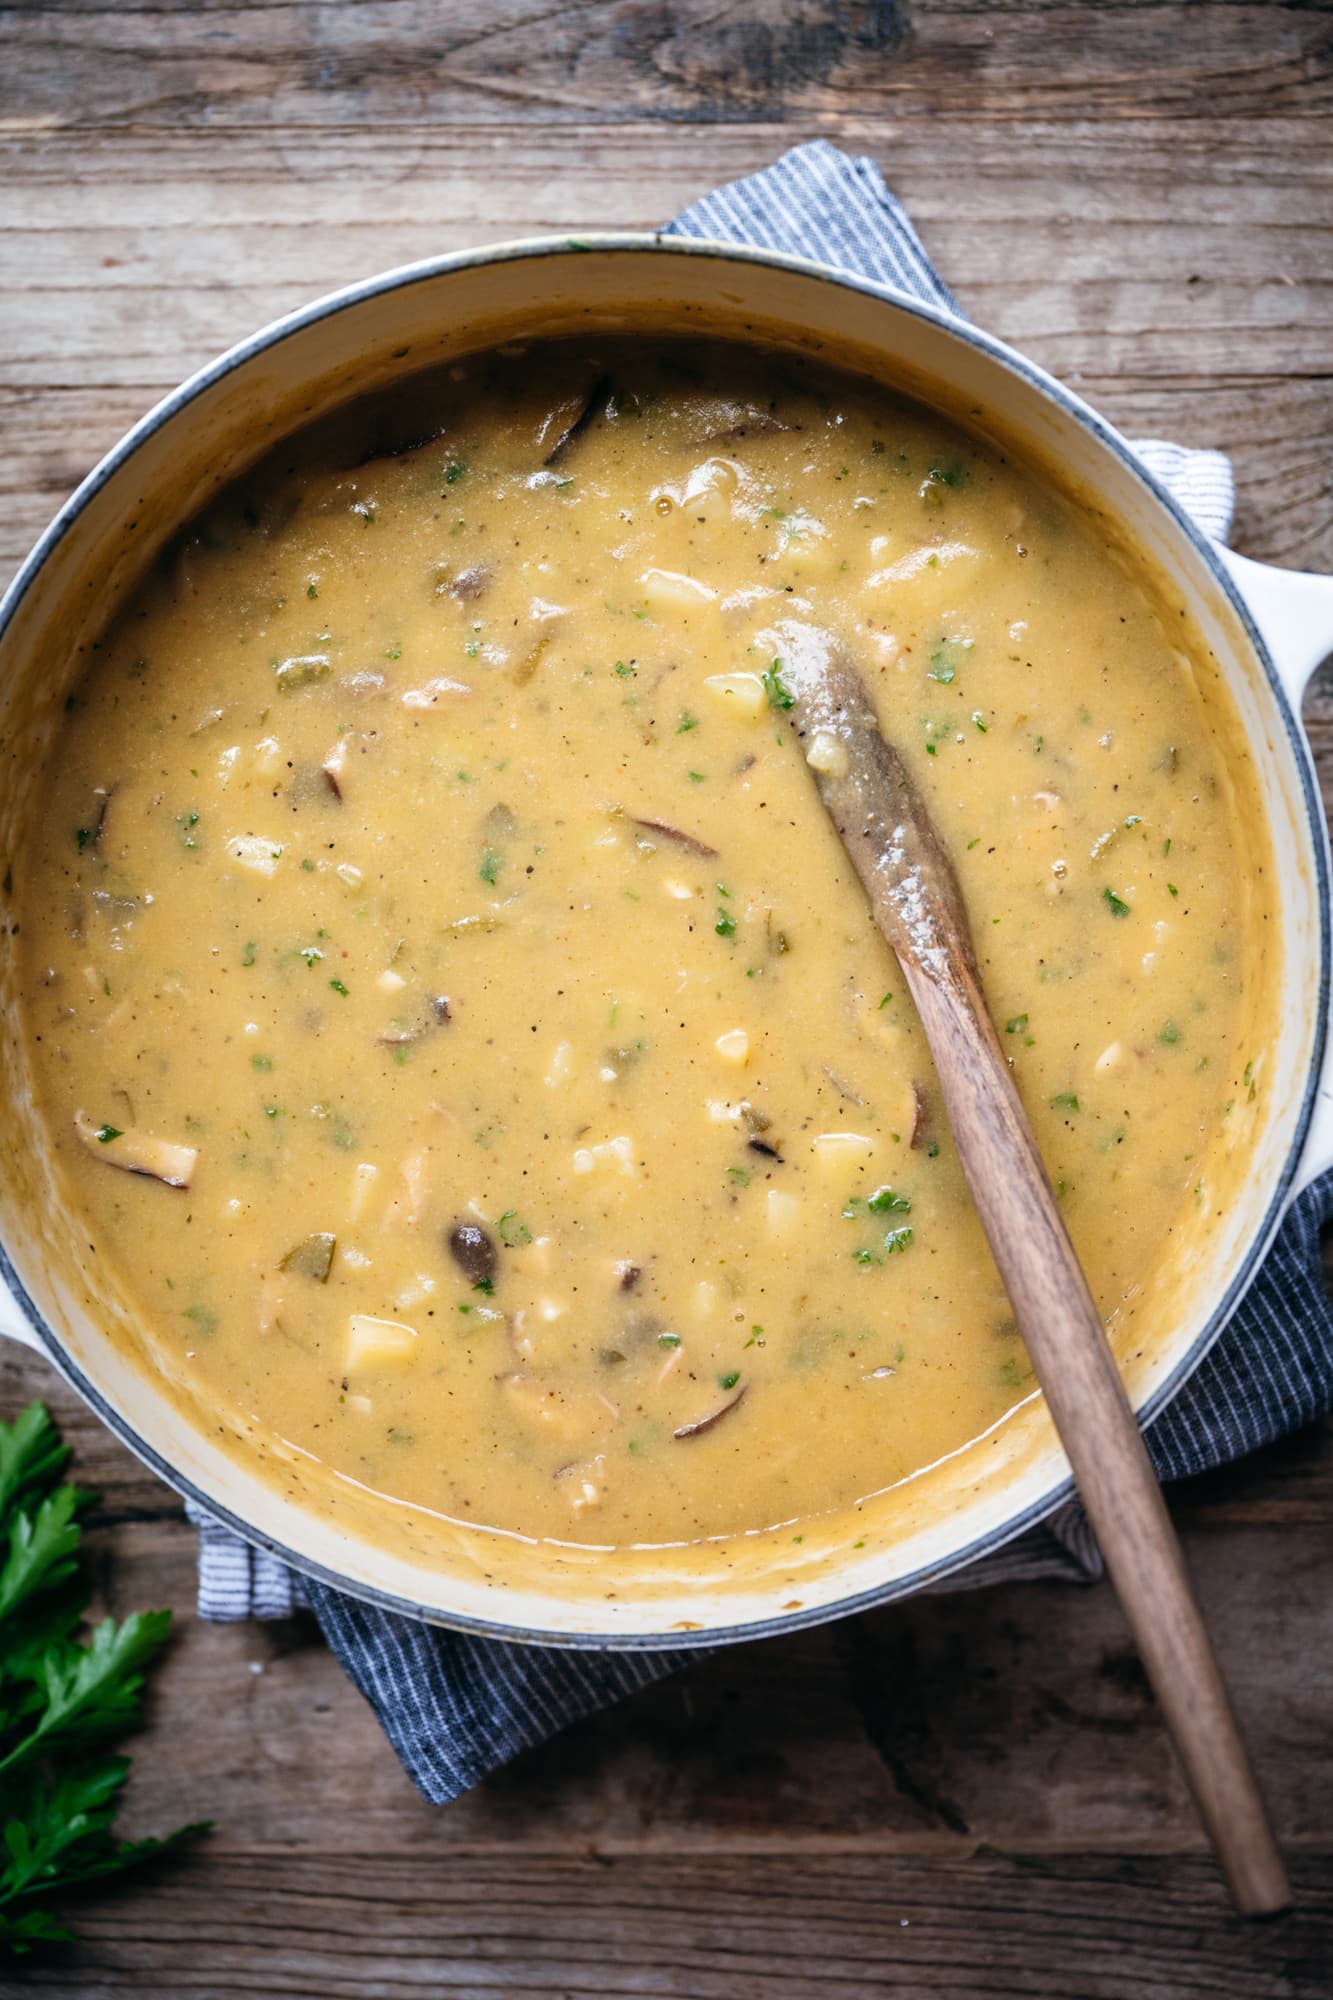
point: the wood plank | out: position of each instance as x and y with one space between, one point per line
1179 273
408 61
360 1925
1016 1716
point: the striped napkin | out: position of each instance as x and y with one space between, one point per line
457 1707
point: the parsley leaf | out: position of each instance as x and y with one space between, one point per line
779 694
60 1695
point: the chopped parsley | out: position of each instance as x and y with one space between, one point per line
513 1231
726 923
1115 904
106 1133
779 694
945 659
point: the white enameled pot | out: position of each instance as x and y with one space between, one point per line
1267 631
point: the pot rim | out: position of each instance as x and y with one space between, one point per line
1071 405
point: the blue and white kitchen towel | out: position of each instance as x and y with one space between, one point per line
456 1708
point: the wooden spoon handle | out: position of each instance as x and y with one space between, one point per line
1067 1343
895 847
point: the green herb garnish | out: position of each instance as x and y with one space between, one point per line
945 660
1115 904
62 1698
779 694
513 1231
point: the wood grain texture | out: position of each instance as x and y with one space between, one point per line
358 66
1138 195
740 1928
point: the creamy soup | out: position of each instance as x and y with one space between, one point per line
459 1025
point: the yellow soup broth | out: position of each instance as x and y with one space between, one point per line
433 908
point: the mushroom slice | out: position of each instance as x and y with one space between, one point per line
707 1423
717 420
138 1152
334 767
658 829
570 418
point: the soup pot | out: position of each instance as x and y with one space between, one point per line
1264 631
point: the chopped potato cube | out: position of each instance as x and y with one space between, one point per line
253 851
827 753
741 695
378 1343
840 1149
783 1211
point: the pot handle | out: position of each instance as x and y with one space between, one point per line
1294 613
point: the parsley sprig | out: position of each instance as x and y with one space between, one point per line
62 1697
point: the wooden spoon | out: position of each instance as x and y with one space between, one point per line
905 869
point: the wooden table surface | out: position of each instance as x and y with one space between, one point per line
959 1796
